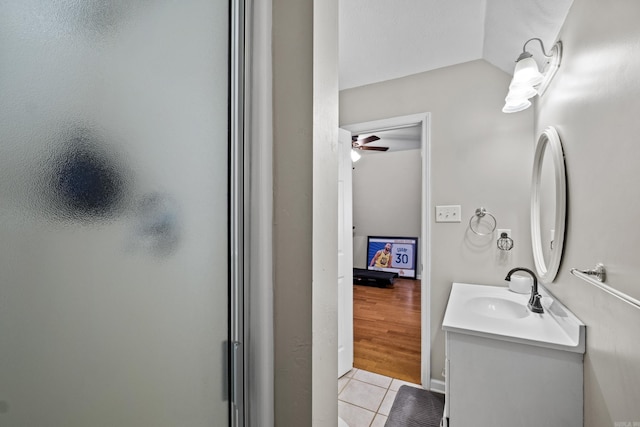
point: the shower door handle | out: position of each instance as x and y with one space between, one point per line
236 391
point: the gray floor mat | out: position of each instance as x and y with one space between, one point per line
415 407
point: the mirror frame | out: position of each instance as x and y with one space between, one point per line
550 137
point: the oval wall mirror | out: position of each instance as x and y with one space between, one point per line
548 205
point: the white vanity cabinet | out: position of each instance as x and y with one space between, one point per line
504 384
501 375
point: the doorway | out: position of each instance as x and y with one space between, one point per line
386 329
422 122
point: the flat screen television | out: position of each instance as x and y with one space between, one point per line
393 254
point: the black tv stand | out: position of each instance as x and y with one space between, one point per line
381 279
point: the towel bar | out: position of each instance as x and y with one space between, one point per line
597 276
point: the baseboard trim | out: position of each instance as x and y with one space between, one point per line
437 386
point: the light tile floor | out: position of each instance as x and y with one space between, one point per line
365 398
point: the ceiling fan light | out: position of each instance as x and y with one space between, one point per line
355 156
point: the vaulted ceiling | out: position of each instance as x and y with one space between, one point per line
386 39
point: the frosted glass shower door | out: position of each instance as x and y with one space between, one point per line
113 213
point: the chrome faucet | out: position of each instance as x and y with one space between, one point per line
534 302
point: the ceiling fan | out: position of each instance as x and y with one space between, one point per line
359 144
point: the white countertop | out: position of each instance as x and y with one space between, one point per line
470 311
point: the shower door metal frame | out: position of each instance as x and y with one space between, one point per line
238 199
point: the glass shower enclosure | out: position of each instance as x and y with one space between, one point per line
114 213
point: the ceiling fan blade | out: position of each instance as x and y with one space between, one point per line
368 139
375 148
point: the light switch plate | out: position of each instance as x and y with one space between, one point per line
448 213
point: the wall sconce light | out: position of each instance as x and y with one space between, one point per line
527 80
355 156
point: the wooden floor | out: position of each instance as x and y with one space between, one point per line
386 329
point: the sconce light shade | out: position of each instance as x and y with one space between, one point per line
527 80
518 98
516 105
521 92
526 72
355 156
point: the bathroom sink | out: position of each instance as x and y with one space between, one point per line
499 308
496 312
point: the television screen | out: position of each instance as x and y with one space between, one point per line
393 254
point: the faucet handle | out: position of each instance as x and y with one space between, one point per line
534 304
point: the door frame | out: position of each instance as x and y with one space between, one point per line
345 254
424 121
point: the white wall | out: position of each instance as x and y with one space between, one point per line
386 198
594 103
292 214
479 157
305 120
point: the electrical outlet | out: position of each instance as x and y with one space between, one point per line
501 244
448 213
499 232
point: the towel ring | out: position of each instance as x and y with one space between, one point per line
481 213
